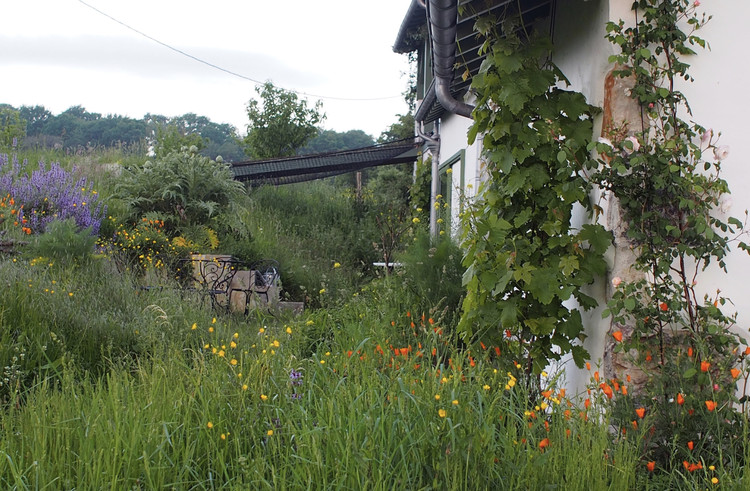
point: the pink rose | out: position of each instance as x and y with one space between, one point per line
706 137
616 281
634 143
722 152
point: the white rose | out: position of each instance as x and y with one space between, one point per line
725 203
606 141
722 152
706 137
634 143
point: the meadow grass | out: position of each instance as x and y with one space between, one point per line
155 392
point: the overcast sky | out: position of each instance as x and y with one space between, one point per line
61 53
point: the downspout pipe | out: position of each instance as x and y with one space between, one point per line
442 17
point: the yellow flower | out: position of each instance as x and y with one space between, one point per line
309 323
322 362
288 330
437 397
223 436
233 362
213 321
275 344
415 220
337 265
442 413
322 291
449 170
455 402
714 480
244 386
486 387
206 346
221 353
261 330
236 335
232 344
210 329
193 327
209 425
263 397
269 433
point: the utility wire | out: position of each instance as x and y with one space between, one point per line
230 72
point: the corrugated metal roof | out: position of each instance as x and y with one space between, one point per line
319 166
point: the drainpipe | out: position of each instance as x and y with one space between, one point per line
442 17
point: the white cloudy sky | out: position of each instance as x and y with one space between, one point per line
61 53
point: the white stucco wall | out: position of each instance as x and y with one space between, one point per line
718 101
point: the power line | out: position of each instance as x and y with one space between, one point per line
217 67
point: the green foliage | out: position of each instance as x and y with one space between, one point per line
280 124
12 128
183 189
432 273
666 176
334 141
169 139
523 257
62 241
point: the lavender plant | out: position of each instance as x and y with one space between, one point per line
48 195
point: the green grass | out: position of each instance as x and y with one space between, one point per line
136 411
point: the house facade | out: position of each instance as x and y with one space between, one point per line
441 32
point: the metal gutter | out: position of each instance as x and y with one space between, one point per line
442 18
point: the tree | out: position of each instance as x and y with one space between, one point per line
12 127
280 124
333 141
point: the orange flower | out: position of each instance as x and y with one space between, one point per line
690 352
596 376
663 307
680 399
690 445
641 412
710 405
705 366
735 372
617 335
607 390
544 444
747 351
651 466
588 366
587 403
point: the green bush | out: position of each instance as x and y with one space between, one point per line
63 242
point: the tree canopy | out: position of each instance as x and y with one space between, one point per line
280 124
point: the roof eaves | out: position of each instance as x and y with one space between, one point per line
408 33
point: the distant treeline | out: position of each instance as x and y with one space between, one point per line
77 129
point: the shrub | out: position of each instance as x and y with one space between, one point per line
63 241
50 194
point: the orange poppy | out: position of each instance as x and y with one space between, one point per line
710 405
735 372
690 445
651 466
641 412
705 366
680 399
617 335
544 444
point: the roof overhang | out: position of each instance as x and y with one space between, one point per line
467 57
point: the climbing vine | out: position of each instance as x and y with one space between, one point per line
524 258
665 172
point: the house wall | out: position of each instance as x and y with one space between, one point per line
718 101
